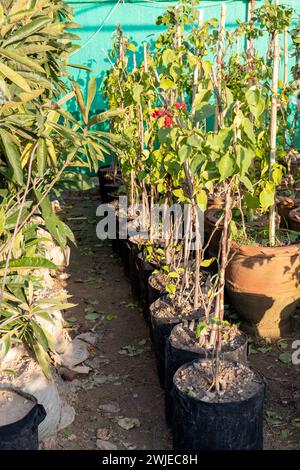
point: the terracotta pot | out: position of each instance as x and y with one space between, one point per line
210 220
296 165
263 284
284 205
294 218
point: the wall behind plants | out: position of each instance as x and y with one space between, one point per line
98 20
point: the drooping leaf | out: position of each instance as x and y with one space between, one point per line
22 59
27 263
41 155
267 196
27 30
91 93
226 166
14 77
104 116
13 156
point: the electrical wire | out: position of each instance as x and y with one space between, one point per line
100 27
153 2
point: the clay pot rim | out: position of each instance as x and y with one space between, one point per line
210 217
288 201
265 251
177 327
220 404
210 214
295 214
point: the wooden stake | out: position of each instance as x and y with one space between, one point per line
134 61
286 58
250 42
145 58
273 127
218 112
197 68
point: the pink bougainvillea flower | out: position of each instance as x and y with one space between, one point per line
181 105
158 113
168 122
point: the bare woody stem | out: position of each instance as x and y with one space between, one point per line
273 128
197 70
219 110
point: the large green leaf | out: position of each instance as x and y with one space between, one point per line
13 156
91 93
226 166
27 263
104 116
41 155
22 59
267 196
167 84
40 335
42 357
14 77
244 158
255 102
27 30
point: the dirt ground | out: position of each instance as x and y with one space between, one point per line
123 382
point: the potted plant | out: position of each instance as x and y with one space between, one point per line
262 279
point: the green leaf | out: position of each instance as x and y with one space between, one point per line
255 102
27 263
6 342
247 183
92 316
164 136
285 357
13 156
22 59
207 262
1 14
40 335
251 201
80 67
201 200
27 30
80 102
244 158
183 153
249 129
226 166
14 77
202 97
167 84
42 357
136 94
41 155
91 93
169 56
104 116
267 196
194 140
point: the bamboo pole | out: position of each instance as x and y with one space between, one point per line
286 58
250 42
145 58
273 126
134 61
197 68
218 111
